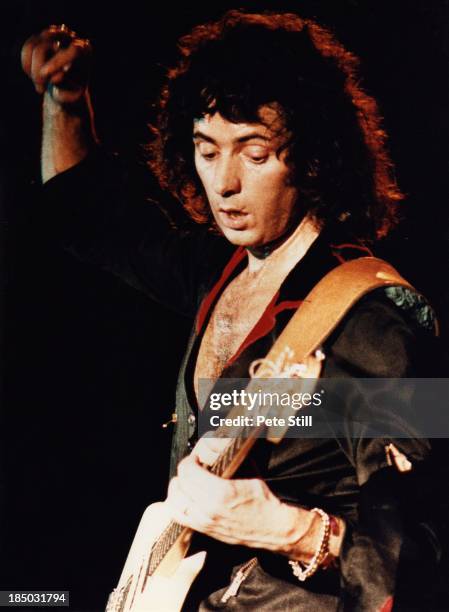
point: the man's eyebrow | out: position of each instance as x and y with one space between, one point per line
199 134
245 138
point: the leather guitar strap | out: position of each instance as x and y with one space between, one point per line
320 313
328 302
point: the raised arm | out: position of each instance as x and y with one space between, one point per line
93 203
57 61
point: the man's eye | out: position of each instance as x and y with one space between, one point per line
207 153
257 155
258 159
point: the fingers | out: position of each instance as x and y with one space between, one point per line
27 53
47 58
184 509
202 484
215 514
202 516
208 450
225 509
205 493
217 496
40 53
63 60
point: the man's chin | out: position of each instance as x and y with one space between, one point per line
245 238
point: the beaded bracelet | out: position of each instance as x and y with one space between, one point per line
321 552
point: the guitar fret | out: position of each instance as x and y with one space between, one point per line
173 530
218 467
163 545
223 460
228 455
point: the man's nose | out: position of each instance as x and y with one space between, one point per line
227 181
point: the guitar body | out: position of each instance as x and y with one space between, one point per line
167 587
157 575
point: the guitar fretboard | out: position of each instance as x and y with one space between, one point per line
173 530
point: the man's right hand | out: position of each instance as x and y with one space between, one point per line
58 61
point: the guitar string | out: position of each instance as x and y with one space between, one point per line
174 529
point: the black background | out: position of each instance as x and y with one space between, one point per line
90 364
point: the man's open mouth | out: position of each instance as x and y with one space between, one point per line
233 219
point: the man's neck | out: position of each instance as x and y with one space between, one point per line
289 252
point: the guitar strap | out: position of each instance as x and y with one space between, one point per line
319 314
328 302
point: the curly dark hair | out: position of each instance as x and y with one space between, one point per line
337 152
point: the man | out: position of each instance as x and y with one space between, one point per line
289 163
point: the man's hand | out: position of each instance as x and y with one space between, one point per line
238 511
57 61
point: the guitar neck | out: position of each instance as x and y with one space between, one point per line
225 466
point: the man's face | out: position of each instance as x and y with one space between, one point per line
243 171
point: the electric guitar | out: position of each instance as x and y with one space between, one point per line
158 573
